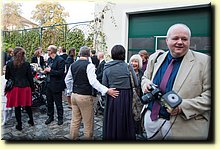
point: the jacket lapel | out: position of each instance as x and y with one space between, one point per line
184 70
158 63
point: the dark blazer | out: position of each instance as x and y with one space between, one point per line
95 61
140 75
99 71
56 73
64 56
42 63
68 62
22 76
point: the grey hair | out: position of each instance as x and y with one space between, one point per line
138 58
178 24
53 48
84 51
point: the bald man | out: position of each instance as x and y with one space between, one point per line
190 79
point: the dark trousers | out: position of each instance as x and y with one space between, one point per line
57 98
18 114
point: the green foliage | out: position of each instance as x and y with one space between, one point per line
89 40
48 38
30 40
75 39
7 45
16 39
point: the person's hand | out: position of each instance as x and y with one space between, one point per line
175 111
47 69
113 92
147 88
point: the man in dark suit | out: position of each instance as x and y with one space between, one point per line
63 53
94 58
55 84
99 73
99 70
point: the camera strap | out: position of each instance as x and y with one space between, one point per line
169 128
158 130
161 127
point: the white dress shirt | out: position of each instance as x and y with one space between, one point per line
90 70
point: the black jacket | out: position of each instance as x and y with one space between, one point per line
68 62
64 56
99 71
56 73
22 76
95 61
42 63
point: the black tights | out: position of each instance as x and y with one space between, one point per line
18 114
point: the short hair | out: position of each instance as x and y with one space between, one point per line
178 24
84 51
53 48
64 49
38 48
138 58
144 52
93 51
118 52
37 53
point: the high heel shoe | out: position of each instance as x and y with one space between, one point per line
18 127
31 122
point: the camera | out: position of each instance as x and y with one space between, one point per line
154 94
170 100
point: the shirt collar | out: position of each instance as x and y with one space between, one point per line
169 56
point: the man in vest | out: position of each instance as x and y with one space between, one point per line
80 80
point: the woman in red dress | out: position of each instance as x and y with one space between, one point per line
21 94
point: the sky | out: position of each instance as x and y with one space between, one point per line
79 11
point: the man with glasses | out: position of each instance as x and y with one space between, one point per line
55 84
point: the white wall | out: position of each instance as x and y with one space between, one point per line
120 10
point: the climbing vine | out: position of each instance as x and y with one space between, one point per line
99 37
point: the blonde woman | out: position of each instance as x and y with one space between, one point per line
136 62
38 58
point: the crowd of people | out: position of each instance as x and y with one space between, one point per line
88 77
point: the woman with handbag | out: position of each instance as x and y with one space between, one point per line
118 116
20 95
136 62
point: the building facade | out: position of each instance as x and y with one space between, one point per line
144 25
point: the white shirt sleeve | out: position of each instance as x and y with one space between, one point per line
93 80
69 81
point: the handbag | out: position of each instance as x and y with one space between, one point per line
9 85
136 102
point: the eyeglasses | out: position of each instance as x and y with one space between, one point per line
48 50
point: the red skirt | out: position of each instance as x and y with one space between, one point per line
19 96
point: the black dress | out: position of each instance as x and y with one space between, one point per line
119 122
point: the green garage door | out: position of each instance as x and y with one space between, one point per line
148 30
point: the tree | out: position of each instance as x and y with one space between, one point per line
49 13
11 16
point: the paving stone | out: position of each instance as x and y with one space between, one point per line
41 131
